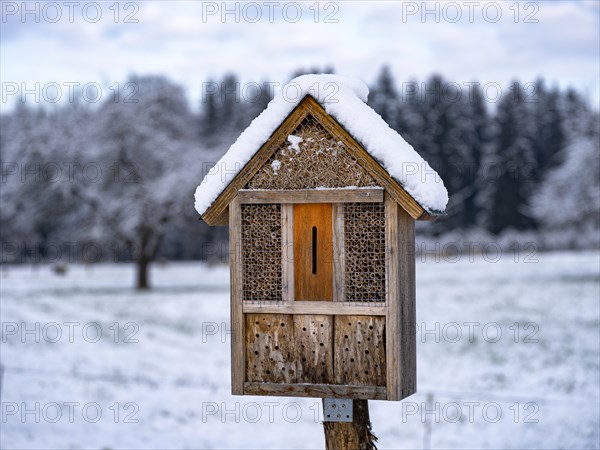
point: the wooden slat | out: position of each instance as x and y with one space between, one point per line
311 307
270 348
375 169
374 195
213 214
393 300
407 289
359 355
287 252
401 319
313 264
315 390
313 348
238 370
339 262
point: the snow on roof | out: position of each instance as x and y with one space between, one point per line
344 98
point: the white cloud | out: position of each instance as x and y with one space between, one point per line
172 38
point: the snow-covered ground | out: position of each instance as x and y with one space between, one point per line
159 373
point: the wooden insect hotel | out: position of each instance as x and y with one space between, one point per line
321 199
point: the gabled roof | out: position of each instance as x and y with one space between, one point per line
339 105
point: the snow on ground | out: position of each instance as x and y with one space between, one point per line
170 389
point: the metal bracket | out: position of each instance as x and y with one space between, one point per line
337 410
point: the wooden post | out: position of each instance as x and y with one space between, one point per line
351 436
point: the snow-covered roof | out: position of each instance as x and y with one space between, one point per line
343 98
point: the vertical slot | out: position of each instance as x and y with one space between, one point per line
314 250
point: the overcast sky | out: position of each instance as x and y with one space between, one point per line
190 41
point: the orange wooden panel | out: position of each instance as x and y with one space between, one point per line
313 252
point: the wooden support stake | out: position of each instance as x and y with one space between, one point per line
356 435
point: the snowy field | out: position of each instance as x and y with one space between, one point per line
158 376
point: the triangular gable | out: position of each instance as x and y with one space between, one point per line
311 158
217 213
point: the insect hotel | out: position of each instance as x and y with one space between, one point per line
321 199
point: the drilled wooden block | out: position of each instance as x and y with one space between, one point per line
270 348
359 350
313 335
318 160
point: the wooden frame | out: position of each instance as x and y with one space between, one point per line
400 317
315 390
339 254
398 309
238 364
313 307
287 253
371 195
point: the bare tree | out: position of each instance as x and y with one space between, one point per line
142 143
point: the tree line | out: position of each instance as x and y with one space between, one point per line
115 180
